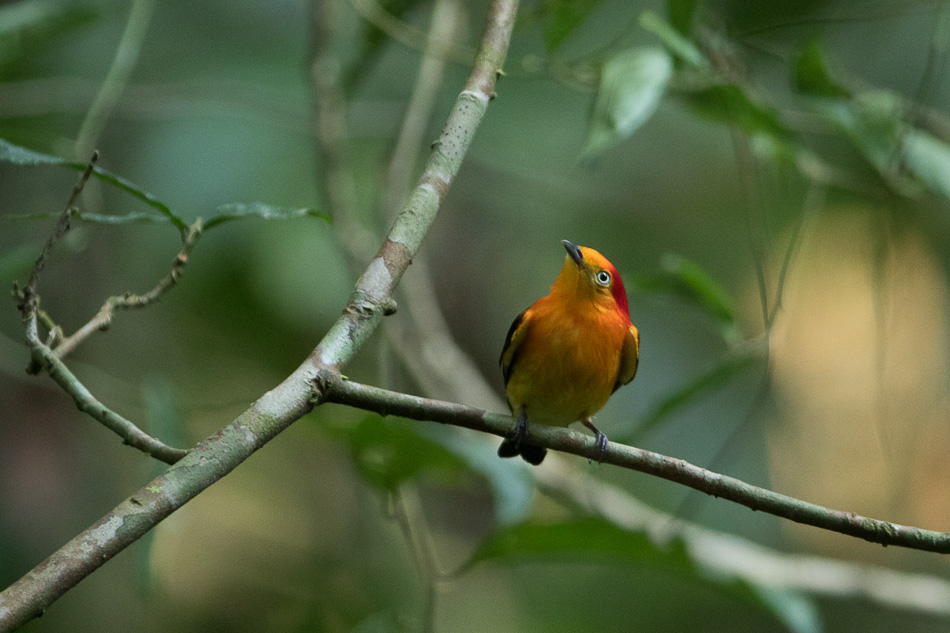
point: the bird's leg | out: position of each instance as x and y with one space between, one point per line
512 446
521 428
601 438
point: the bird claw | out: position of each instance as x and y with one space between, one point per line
512 446
602 445
600 441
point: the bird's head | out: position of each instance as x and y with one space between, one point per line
589 275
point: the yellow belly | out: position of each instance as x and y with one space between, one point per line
565 374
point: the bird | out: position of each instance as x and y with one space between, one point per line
569 352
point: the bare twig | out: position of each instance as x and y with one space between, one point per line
28 300
411 37
876 531
103 319
276 410
45 358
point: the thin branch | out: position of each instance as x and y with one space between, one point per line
45 358
103 319
297 395
409 36
126 55
422 556
28 300
331 136
876 531
445 23
814 199
42 357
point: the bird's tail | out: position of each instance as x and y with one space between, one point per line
532 454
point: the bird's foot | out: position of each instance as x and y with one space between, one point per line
601 439
512 446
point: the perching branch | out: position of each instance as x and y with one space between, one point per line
874 530
277 409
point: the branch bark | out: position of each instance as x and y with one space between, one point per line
222 452
677 470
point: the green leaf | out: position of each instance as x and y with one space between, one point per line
682 15
673 39
687 280
10 153
732 365
586 538
563 17
239 210
388 453
928 159
728 103
812 75
631 86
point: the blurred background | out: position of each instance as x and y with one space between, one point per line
770 179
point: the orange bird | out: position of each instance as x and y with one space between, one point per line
566 354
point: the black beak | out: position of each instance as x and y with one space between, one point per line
574 252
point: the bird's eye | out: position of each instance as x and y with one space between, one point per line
603 278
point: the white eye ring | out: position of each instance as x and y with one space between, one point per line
603 278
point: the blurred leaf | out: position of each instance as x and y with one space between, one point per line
388 453
162 420
873 122
788 152
238 210
511 484
18 260
162 412
687 280
10 153
928 159
30 23
682 14
793 609
730 366
812 75
381 622
673 39
631 85
562 17
582 539
729 103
